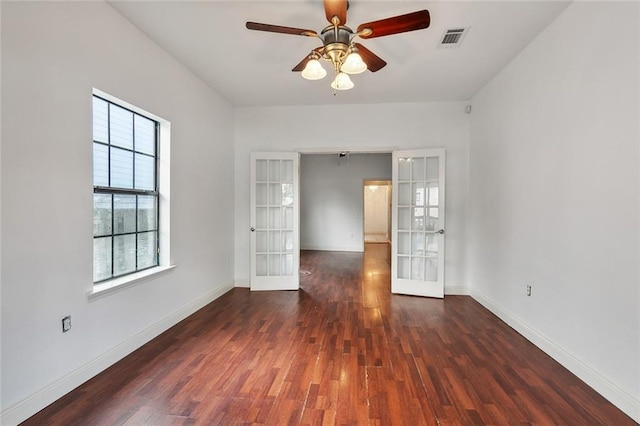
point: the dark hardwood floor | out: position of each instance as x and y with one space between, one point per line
341 350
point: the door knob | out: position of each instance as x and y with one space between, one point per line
253 229
441 231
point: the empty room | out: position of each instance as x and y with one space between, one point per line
187 231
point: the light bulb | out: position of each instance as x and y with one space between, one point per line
313 70
354 64
342 82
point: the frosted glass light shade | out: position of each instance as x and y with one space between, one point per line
354 64
342 82
313 70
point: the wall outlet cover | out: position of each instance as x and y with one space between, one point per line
66 323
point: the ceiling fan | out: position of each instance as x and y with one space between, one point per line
346 56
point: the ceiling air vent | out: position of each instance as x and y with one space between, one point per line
453 37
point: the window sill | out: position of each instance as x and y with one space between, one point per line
118 284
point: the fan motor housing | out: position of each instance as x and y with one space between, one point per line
336 41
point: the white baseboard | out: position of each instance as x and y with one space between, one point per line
30 405
358 249
626 402
456 290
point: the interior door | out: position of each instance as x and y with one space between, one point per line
417 266
275 232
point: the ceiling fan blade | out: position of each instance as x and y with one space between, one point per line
280 29
373 61
336 8
303 63
397 24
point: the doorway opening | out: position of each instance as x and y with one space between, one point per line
377 211
331 198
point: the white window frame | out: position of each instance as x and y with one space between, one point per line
164 198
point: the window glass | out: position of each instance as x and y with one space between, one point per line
120 127
125 199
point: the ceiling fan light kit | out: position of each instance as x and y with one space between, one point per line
338 47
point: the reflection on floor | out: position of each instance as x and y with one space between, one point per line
373 237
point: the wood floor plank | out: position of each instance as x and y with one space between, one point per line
341 350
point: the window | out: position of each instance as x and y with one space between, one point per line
126 196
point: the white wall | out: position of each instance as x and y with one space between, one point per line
358 128
53 54
331 198
554 195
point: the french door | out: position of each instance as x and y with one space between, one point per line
275 231
417 266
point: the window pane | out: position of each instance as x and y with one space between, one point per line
287 171
100 120
417 168
147 249
432 245
101 258
287 264
101 215
287 242
262 222
121 128
404 194
274 264
417 218
287 194
261 170
274 170
417 243
404 267
275 218
419 194
404 168
124 214
124 254
262 241
145 131
145 172
433 194
121 168
433 168
261 265
275 241
100 165
147 213
261 194
403 218
432 270
287 218
275 194
403 243
417 268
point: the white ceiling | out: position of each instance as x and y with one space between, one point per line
253 68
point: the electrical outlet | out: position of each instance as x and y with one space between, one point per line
66 323
528 290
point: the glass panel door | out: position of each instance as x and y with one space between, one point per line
418 223
274 221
